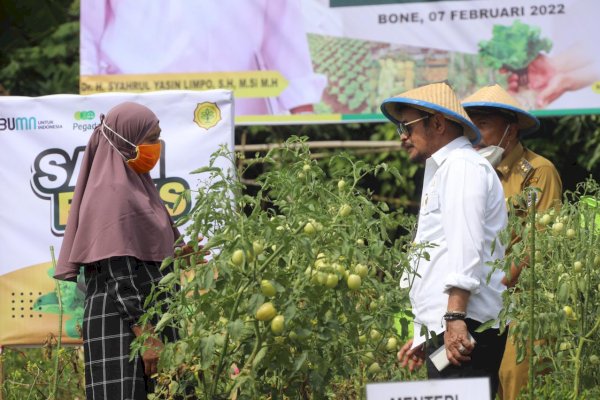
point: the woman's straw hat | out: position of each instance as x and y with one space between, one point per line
432 98
495 99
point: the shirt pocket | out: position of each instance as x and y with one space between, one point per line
430 203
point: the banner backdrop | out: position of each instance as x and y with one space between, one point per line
301 61
43 140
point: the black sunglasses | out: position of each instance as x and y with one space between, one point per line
403 129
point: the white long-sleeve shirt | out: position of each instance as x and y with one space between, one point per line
462 212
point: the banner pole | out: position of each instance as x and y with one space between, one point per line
59 338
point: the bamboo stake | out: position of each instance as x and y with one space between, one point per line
1 373
327 144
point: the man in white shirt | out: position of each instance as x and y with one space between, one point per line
462 212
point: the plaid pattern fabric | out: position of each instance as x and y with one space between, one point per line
116 290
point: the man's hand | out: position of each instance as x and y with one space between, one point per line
456 339
151 355
409 358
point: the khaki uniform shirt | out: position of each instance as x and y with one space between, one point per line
523 168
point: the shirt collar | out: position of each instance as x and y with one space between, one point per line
511 159
440 156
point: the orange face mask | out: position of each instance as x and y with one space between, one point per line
147 155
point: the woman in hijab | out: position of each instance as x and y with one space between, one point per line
119 231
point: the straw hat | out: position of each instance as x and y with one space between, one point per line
495 98
432 98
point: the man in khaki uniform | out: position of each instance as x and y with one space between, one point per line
502 123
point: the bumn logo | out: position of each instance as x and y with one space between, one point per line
18 124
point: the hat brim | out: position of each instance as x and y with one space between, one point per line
389 109
527 122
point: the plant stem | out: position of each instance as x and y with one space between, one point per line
232 316
59 337
532 204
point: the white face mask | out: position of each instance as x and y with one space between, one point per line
494 153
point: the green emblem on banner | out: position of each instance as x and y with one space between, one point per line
207 115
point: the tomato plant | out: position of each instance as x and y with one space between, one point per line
556 302
289 315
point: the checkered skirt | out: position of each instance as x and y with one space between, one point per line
116 290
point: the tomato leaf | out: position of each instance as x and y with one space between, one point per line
485 326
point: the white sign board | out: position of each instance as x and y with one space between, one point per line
436 389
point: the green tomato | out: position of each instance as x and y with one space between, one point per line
238 257
266 312
564 346
332 281
345 210
277 324
306 167
557 227
374 368
267 288
568 310
322 277
301 175
368 357
594 359
375 335
341 184
597 261
362 339
392 344
577 266
339 268
545 220
309 229
570 233
360 242
354 281
257 247
361 270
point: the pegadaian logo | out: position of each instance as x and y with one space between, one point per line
18 123
84 115
207 115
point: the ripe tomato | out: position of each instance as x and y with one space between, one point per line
354 281
277 324
266 312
